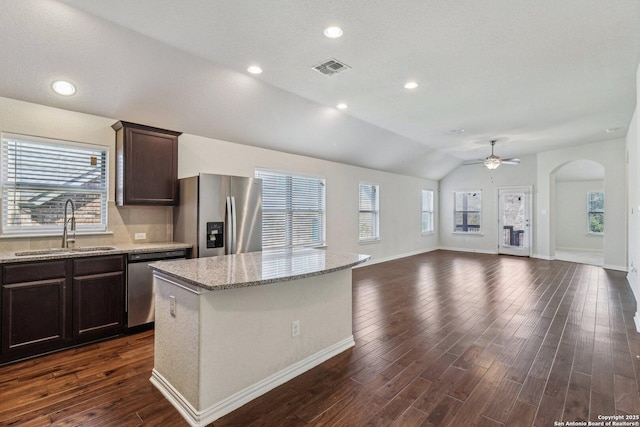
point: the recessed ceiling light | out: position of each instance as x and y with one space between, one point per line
63 87
411 85
333 32
612 130
342 106
254 69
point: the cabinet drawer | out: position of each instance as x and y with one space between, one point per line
97 265
33 272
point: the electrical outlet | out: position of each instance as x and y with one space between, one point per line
172 306
295 328
140 236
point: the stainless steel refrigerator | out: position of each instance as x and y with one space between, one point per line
219 215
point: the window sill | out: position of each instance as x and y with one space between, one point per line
589 234
466 233
428 233
369 241
48 235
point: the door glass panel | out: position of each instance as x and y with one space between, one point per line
514 221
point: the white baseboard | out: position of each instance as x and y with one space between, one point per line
197 418
615 267
393 257
632 278
471 250
571 249
544 257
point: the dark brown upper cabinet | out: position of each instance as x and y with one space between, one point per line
146 165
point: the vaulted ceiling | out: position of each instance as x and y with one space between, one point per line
533 75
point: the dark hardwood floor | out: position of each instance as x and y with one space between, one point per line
444 338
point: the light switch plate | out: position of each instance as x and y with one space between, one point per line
140 236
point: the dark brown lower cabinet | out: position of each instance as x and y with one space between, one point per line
35 308
51 305
98 297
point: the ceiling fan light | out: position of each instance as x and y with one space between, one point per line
492 162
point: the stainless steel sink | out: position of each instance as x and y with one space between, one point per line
47 251
92 249
51 251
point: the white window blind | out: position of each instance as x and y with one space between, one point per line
369 212
427 211
39 175
293 210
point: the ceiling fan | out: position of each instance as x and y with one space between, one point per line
493 161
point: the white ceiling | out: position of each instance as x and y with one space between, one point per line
535 75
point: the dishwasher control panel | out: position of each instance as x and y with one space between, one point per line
157 256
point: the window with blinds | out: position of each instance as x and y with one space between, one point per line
369 212
39 175
293 210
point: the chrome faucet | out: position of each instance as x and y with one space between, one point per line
65 238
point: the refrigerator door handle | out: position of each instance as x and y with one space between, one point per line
229 228
234 221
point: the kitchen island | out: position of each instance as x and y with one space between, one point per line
231 328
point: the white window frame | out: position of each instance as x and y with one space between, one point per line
8 186
289 211
427 210
466 212
374 211
590 212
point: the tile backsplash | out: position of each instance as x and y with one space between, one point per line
124 222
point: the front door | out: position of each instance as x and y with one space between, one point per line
514 224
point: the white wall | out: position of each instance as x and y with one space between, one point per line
400 196
633 208
611 155
572 218
478 177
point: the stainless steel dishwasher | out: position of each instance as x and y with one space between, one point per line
140 306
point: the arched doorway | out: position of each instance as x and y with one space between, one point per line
578 221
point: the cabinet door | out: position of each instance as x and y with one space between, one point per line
98 302
151 167
34 316
147 165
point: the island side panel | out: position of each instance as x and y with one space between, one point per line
246 333
176 343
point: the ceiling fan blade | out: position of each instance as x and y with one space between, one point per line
474 162
514 161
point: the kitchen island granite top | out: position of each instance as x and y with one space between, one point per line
257 268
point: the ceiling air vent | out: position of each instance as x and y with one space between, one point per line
331 67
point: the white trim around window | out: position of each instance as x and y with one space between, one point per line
595 213
368 212
428 214
467 212
38 176
293 210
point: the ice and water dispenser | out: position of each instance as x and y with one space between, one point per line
215 234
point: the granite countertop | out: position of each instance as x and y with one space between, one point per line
85 251
257 268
